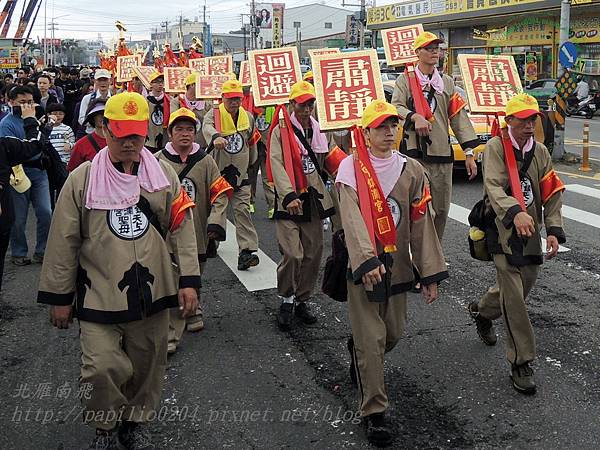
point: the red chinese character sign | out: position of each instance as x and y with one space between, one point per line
126 66
209 86
398 44
199 65
490 81
245 73
345 85
273 72
212 65
144 73
175 79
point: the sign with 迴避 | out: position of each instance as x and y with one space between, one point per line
126 66
209 86
143 73
175 79
273 72
398 44
345 84
245 74
490 81
212 65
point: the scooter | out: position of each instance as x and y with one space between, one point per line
586 107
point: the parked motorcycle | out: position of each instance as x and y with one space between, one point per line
586 107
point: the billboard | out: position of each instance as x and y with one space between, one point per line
263 13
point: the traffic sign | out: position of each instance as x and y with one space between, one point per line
567 55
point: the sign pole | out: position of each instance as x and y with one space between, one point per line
559 135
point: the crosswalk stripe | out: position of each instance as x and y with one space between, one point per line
581 216
461 215
261 277
585 190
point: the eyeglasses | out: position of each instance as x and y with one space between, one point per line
432 49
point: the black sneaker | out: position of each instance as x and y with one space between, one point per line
134 436
104 440
247 259
522 378
350 346
284 318
304 313
379 432
485 327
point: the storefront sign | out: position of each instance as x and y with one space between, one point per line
531 66
490 81
398 44
245 73
584 30
273 72
143 73
587 66
125 66
209 86
345 84
175 79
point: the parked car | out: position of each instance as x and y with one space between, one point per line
389 76
304 68
543 90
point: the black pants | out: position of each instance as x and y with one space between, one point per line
7 217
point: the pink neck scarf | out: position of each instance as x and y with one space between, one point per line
318 142
169 148
110 189
436 81
192 105
388 171
528 145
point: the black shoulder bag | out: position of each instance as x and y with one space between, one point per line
336 267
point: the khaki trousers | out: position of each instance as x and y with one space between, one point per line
440 183
301 245
507 298
253 175
245 232
124 366
376 329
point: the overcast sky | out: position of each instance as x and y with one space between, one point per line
85 19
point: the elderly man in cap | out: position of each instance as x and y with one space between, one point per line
300 162
160 106
384 240
516 216
199 107
426 129
108 264
200 177
102 79
233 139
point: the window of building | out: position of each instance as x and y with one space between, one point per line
328 25
297 24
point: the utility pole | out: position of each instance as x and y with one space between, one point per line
165 24
52 50
253 34
45 33
362 21
559 135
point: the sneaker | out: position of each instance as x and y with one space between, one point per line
304 313
134 436
350 346
104 440
485 327
246 260
251 208
37 258
195 324
379 432
270 213
20 260
171 348
284 318
522 378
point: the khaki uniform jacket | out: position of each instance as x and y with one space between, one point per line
502 237
415 232
238 155
115 263
157 135
316 196
176 104
209 213
439 150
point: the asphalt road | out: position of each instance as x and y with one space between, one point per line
241 383
574 136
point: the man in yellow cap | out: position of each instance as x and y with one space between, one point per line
308 76
159 104
200 177
301 200
514 219
188 100
232 141
381 255
427 101
108 264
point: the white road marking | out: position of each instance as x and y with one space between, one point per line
585 190
461 215
261 277
581 216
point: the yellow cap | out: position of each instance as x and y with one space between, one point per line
308 76
522 106
127 114
376 113
231 89
182 114
426 38
302 91
190 79
154 75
